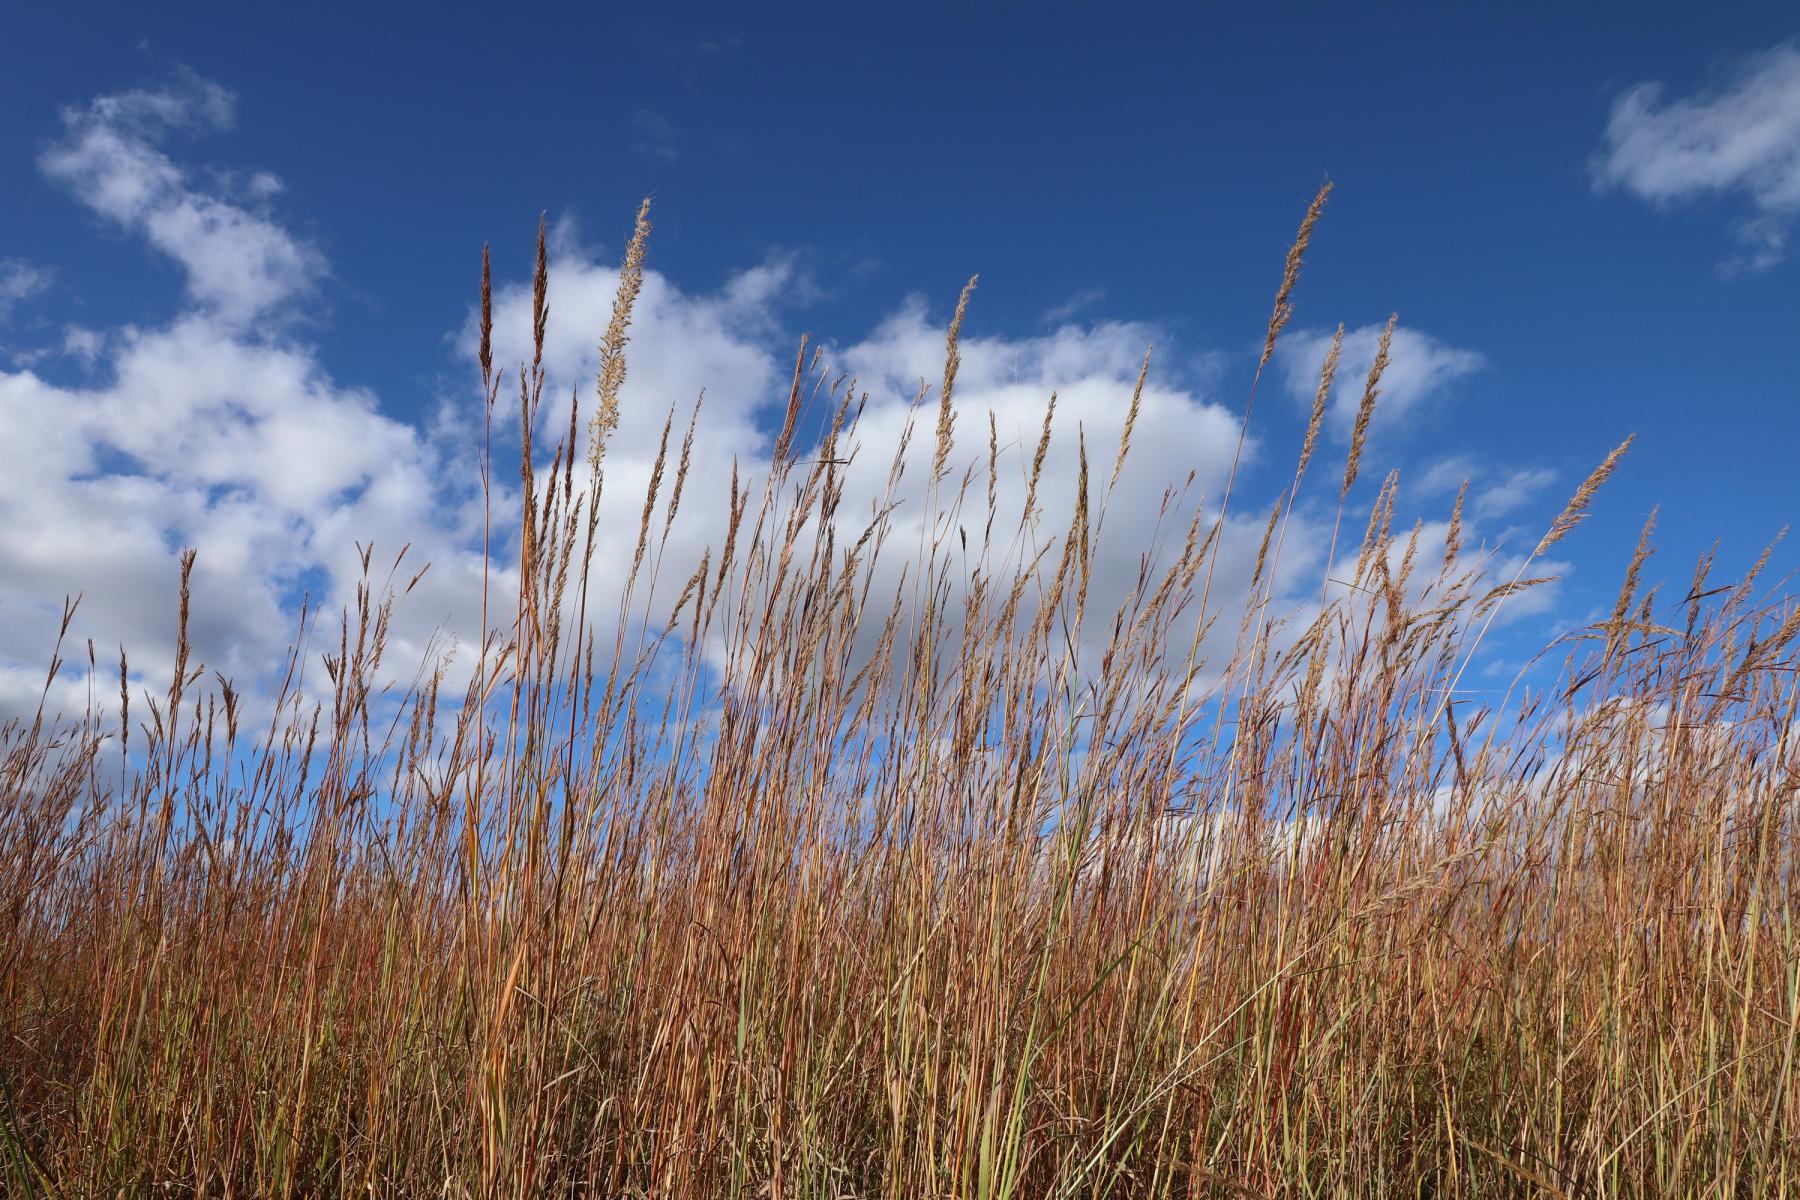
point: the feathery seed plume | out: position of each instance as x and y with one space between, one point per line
1327 375
1453 538
1131 416
612 345
1284 307
1628 589
1371 389
1576 508
946 422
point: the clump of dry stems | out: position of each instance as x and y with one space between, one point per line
817 891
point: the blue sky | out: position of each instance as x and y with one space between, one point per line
1576 257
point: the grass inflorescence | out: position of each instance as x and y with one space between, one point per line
818 886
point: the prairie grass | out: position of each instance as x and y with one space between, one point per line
804 887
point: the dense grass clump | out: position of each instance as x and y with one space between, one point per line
815 884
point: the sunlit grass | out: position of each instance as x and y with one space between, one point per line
956 889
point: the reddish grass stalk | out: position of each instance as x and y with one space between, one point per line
815 890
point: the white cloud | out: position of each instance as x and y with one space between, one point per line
215 430
240 264
1448 474
1092 370
1420 370
19 281
1742 137
728 344
1495 490
1512 490
221 429
82 344
195 438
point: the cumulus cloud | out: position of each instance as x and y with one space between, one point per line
221 429
216 430
1742 137
1090 368
728 345
1180 454
1420 371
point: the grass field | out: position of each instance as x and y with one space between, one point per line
798 882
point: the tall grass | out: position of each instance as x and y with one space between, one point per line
806 885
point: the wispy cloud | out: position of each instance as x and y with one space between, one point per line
1495 490
1420 370
1742 137
240 264
1508 491
1074 306
655 135
20 281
